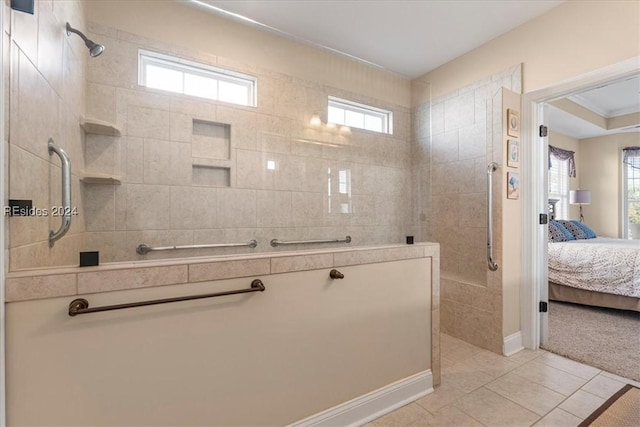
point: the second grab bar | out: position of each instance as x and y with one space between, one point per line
66 193
491 167
143 249
276 242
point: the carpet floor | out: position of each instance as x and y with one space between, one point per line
605 338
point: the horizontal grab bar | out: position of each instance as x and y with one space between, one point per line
144 249
81 305
276 242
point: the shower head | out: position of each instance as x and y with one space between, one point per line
95 49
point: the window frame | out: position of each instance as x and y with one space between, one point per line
562 206
185 66
386 116
625 195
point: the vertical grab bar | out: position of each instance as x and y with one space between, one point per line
491 167
66 193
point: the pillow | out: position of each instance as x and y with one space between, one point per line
557 233
577 232
589 232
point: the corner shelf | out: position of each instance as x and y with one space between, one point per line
100 178
99 127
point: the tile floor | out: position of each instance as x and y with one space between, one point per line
530 388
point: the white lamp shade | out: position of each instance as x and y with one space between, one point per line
580 197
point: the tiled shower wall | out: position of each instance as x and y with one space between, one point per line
46 92
195 171
457 136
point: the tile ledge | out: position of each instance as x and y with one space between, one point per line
50 271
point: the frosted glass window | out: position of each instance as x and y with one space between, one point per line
631 202
373 123
173 74
163 78
360 116
203 87
232 92
354 119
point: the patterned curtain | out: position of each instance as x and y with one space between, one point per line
561 154
631 157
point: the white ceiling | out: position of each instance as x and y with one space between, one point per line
413 37
406 37
610 100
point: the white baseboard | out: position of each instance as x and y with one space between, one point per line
512 344
370 406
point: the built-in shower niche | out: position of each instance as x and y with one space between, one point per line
211 154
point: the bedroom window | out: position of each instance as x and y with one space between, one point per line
631 207
559 186
173 74
361 116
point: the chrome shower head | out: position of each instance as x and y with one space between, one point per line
95 49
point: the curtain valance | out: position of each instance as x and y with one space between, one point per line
561 154
631 157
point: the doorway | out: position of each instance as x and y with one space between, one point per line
535 192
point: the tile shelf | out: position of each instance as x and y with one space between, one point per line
99 127
100 178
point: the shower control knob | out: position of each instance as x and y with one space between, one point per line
335 274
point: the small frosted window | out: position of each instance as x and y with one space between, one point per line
179 75
232 92
354 119
163 78
355 115
373 123
335 115
200 86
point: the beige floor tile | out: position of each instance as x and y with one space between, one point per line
441 397
405 416
550 377
493 364
457 350
445 362
559 418
492 409
465 377
568 365
451 416
526 393
524 356
582 404
621 379
602 386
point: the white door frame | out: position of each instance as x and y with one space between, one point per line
534 192
3 193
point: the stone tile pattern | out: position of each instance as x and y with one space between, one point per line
481 388
46 84
454 138
165 201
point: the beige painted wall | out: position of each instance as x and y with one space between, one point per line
303 345
565 142
569 40
511 217
195 28
601 163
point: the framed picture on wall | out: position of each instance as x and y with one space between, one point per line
513 185
513 123
513 153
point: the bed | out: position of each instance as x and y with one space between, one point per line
600 271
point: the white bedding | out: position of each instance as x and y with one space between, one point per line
603 265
